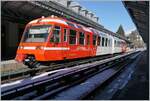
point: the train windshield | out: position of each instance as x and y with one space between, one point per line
37 33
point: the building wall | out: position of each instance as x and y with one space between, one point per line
12 35
10 39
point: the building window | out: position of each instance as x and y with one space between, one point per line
81 38
88 39
98 40
56 35
72 37
102 41
65 35
94 40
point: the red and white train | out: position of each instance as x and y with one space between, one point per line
52 38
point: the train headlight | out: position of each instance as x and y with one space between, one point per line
20 47
40 47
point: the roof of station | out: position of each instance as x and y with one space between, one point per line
139 12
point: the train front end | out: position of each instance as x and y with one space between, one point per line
31 48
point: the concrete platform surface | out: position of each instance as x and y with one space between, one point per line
131 84
10 66
138 86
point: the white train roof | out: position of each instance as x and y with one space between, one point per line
75 25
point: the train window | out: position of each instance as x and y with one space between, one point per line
79 26
98 40
109 42
106 42
119 43
65 35
55 35
94 39
72 37
36 33
81 38
88 39
102 41
115 43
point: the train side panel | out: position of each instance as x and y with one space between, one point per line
62 41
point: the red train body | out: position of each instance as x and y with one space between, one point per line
53 38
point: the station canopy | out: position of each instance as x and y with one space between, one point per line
139 12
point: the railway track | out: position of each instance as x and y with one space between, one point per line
54 82
53 66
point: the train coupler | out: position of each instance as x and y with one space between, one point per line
31 63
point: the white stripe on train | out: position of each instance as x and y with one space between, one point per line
56 48
50 20
54 20
30 48
48 48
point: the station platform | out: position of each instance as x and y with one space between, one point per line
11 66
138 86
132 83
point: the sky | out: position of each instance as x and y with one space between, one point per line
111 14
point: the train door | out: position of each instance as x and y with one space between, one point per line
88 43
94 44
65 42
112 45
72 43
56 36
56 42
